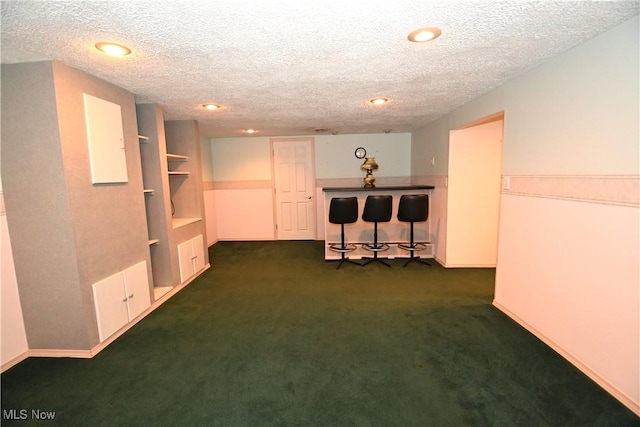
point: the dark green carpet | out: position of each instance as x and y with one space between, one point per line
272 335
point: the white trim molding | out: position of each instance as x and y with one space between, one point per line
615 190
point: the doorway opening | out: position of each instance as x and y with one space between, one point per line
473 193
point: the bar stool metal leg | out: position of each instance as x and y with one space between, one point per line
375 248
343 210
377 209
413 208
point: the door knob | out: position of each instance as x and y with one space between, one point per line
308 197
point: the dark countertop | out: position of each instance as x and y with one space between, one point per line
380 188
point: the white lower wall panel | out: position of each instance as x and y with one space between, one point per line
13 336
438 218
571 271
245 214
211 220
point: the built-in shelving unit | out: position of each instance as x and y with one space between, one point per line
183 159
170 154
156 184
147 191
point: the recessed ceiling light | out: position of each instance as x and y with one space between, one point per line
211 107
251 131
378 101
113 49
426 34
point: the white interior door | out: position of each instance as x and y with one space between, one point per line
294 174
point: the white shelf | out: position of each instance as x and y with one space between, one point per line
179 173
143 139
159 291
181 222
153 242
176 157
148 191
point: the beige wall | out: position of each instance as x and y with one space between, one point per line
66 232
28 97
568 251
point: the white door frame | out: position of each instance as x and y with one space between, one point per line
274 182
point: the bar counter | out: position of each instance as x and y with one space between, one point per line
392 232
393 188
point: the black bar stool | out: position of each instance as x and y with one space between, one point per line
343 210
413 208
377 209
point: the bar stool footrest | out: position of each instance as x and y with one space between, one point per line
342 249
413 247
375 248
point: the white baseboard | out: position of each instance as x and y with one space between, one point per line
611 389
13 362
88 354
470 266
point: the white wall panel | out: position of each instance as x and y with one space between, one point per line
13 337
245 214
570 271
211 217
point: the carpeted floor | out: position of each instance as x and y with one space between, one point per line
272 335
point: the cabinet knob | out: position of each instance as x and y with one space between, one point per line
130 296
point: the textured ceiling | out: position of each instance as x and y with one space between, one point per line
291 67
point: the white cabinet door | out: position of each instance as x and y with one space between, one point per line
191 257
106 140
185 255
136 283
111 305
121 298
198 253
